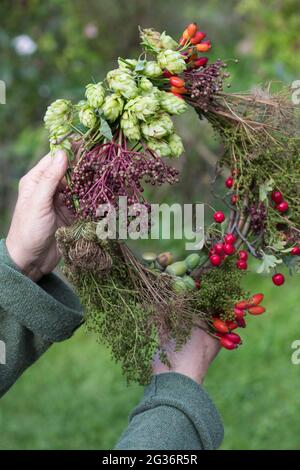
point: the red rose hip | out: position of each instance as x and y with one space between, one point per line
220 326
200 62
227 344
233 337
257 310
232 325
176 81
198 37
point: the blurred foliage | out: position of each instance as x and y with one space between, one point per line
272 28
72 42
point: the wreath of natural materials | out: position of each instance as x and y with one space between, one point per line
117 139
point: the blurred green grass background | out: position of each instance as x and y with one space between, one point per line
75 397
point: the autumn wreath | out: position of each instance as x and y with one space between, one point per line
117 139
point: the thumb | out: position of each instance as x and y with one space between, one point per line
52 176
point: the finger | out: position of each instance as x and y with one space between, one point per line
62 184
36 172
77 144
29 182
51 177
64 216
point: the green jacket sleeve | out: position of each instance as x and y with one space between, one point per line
32 317
175 414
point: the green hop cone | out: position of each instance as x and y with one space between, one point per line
113 107
160 147
145 84
57 114
127 64
59 133
87 116
95 94
66 146
158 128
167 123
176 145
154 93
130 127
167 42
151 38
152 69
122 82
172 104
173 61
143 106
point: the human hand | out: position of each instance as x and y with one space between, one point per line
193 359
39 212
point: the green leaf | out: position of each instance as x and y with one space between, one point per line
80 128
105 129
140 66
268 262
293 264
279 245
265 188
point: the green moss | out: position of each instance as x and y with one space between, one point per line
114 312
220 290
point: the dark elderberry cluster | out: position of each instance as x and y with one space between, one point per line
106 173
203 83
258 215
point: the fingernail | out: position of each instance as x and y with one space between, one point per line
59 156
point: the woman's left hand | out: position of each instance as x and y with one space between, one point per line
38 214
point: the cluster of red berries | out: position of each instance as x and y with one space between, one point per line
242 260
280 204
224 329
192 40
220 250
258 215
229 182
191 36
